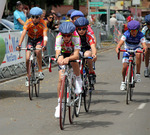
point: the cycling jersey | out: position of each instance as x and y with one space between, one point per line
35 31
75 43
133 42
146 33
90 30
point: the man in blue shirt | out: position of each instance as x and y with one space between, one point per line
19 16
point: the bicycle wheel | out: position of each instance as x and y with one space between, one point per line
77 106
63 102
132 85
87 93
128 81
30 79
37 88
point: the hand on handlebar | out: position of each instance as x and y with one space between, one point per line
18 48
94 57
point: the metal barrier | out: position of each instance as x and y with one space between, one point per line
16 68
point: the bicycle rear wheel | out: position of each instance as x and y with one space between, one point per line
63 102
87 93
31 79
128 83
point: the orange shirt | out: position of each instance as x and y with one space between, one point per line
35 31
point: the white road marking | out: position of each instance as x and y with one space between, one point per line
141 106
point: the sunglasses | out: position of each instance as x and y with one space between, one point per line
35 16
133 30
66 35
50 17
81 28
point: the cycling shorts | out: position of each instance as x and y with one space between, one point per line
84 49
125 58
34 42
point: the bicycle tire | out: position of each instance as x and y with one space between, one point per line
128 82
30 79
131 87
63 102
37 88
78 105
87 93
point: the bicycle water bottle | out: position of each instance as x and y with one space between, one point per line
84 72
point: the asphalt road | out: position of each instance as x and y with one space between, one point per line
109 115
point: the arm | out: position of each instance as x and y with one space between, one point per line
21 21
94 52
145 46
121 42
75 56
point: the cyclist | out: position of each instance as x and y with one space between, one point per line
132 38
67 46
88 48
75 15
37 35
146 32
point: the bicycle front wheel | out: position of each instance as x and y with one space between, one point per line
128 81
87 93
77 105
63 102
31 79
37 88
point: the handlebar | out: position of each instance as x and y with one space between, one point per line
54 59
130 51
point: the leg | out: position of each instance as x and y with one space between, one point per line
146 71
90 65
125 65
39 58
27 61
138 62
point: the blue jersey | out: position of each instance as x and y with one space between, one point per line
17 15
133 42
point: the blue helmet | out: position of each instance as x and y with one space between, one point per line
81 21
69 12
36 11
76 13
133 25
67 27
147 18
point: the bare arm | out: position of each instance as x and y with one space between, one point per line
21 21
22 36
121 42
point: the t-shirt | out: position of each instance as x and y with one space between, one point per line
19 14
75 43
35 31
133 42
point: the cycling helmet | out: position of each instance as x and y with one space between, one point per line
69 12
67 27
133 25
76 13
81 21
36 11
147 18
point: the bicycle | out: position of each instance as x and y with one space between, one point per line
130 73
34 81
68 98
88 83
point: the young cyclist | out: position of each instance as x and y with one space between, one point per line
146 32
75 15
37 35
67 46
132 38
88 48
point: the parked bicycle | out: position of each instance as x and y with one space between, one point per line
68 99
88 83
34 81
130 73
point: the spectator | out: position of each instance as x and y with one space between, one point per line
44 14
26 11
69 14
19 16
125 28
50 21
113 23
